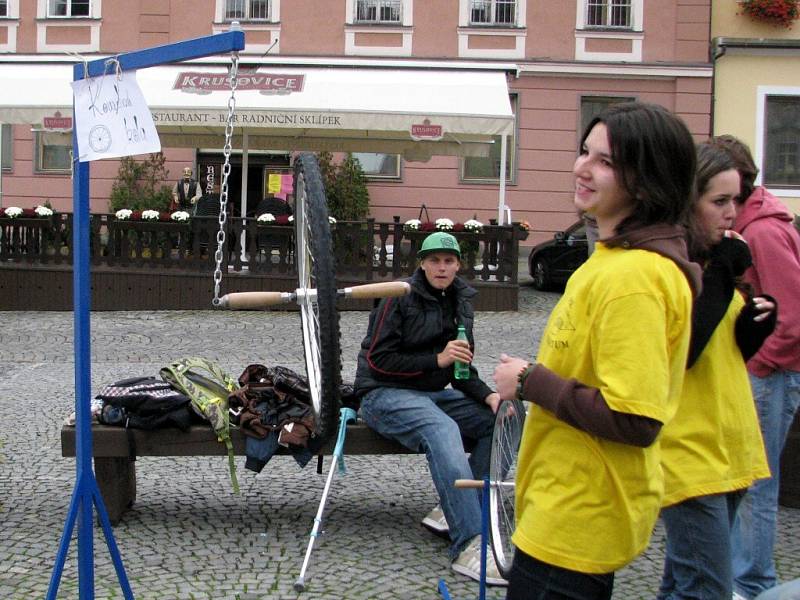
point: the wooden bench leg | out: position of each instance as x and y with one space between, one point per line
116 479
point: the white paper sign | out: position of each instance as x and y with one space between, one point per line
112 118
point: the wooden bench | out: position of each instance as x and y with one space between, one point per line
115 450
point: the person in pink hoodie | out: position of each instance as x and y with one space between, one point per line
767 226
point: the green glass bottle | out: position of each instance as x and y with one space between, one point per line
461 369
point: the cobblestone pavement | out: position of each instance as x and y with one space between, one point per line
188 536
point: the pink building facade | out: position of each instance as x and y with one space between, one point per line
564 62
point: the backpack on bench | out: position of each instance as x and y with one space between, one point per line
208 397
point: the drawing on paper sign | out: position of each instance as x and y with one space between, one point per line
100 138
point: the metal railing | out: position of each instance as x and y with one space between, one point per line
493 12
379 11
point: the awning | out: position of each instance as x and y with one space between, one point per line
417 112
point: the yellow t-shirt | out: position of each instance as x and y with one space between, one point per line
714 445
584 503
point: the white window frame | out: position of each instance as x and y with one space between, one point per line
609 11
272 27
492 5
512 148
69 14
43 21
635 34
378 4
11 23
762 92
376 175
518 31
248 18
39 145
404 28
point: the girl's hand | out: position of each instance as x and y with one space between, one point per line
730 233
764 308
506 374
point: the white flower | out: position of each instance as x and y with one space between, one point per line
331 220
291 218
43 211
473 225
444 224
179 215
412 224
150 215
266 218
123 214
12 212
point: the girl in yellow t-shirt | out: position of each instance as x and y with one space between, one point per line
610 366
712 450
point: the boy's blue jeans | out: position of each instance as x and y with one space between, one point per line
434 423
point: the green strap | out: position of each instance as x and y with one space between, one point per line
214 408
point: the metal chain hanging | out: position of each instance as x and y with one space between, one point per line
226 170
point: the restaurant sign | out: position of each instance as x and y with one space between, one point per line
426 131
202 82
57 122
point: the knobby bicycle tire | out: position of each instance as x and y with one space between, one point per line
317 294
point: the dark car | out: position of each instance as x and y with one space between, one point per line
551 263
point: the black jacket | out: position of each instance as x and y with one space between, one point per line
405 335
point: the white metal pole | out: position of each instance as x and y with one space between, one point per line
501 208
243 206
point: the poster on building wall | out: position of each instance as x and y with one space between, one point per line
112 118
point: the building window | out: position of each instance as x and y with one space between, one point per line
486 169
69 8
782 142
592 106
3 8
609 13
378 11
53 152
493 12
377 165
247 10
7 149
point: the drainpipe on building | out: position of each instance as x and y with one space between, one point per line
718 50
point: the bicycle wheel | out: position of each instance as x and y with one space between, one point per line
502 471
316 294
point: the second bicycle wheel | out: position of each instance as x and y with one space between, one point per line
502 471
316 293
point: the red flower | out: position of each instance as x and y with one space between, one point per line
163 216
774 12
28 212
136 215
458 227
428 226
282 220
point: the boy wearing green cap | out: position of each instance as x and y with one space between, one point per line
408 392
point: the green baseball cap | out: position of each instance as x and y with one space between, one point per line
439 242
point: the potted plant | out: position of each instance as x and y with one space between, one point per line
780 13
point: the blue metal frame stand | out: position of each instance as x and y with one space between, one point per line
86 493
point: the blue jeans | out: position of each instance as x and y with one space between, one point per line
777 397
698 554
434 423
532 579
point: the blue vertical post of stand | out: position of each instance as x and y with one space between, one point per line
86 493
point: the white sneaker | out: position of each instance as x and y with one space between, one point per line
436 522
469 563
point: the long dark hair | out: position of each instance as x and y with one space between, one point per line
711 161
654 160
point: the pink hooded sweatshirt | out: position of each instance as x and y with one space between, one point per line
774 242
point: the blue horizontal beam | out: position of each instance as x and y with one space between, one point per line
161 55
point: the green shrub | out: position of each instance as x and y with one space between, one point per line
345 187
140 185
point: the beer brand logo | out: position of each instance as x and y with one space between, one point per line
57 122
195 82
426 131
